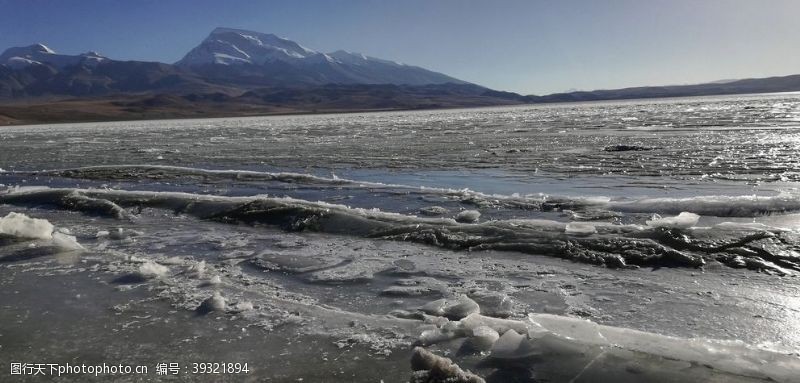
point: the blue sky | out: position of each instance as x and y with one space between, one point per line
531 47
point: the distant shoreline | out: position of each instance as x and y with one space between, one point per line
103 110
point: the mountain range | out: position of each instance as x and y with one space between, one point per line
228 61
240 72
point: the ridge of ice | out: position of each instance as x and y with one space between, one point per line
718 205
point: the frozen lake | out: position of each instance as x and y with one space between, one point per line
625 241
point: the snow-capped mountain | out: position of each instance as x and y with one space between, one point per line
267 59
229 61
227 46
36 70
40 54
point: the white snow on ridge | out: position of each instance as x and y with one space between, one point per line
17 62
44 48
225 59
354 58
265 39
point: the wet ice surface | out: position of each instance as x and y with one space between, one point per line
366 234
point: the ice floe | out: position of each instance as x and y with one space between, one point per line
21 226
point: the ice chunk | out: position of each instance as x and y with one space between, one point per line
683 220
214 303
431 368
453 309
474 321
438 321
460 308
468 216
151 270
572 328
197 270
433 336
493 303
574 340
434 307
580 228
20 225
513 345
66 242
483 338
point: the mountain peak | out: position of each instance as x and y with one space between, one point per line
269 59
39 47
224 30
231 46
26 52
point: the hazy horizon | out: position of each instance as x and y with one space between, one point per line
531 47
